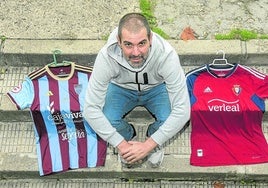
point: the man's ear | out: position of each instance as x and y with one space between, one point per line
150 38
118 40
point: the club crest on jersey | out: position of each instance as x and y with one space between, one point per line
237 89
78 88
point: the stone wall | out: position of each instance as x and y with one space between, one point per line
95 19
208 17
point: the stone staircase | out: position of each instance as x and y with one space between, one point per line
17 145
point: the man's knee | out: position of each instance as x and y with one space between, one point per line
153 127
123 128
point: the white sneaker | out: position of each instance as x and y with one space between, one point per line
124 162
155 158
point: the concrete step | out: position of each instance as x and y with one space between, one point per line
124 183
19 160
31 52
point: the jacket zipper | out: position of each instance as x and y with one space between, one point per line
137 81
145 79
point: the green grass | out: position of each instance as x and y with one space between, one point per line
2 38
147 7
241 34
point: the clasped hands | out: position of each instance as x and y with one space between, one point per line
135 151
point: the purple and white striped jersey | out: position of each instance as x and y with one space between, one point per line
55 97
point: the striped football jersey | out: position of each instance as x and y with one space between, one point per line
55 97
227 106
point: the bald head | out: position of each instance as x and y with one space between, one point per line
133 22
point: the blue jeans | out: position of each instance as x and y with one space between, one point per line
120 101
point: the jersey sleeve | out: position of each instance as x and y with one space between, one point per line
262 90
23 94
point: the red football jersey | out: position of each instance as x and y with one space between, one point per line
227 106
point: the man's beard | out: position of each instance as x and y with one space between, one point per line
136 65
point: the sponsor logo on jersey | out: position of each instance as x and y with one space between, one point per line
219 105
50 107
63 118
60 118
72 134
